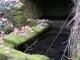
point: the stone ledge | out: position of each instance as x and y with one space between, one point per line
12 54
13 40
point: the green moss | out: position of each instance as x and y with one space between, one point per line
33 23
19 18
10 44
13 40
14 54
36 28
19 21
29 9
38 57
16 13
16 8
32 34
7 28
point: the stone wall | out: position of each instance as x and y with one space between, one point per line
31 8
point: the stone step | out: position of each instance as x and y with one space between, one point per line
7 53
13 40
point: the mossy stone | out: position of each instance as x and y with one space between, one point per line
16 13
19 25
7 28
16 8
38 57
13 55
33 23
19 19
12 40
18 55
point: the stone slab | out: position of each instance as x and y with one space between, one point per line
12 54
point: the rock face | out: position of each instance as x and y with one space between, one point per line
31 9
17 17
19 14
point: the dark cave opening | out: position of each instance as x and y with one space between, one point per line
52 9
55 9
